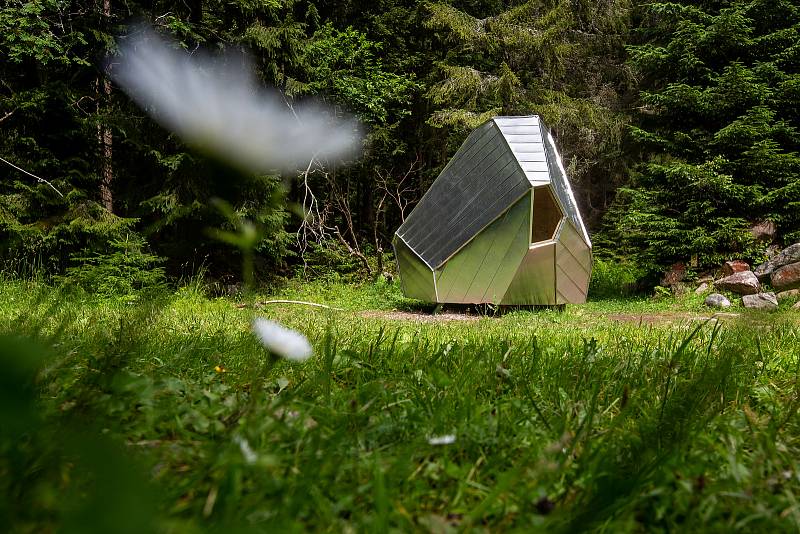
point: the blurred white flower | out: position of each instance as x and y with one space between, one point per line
281 341
218 105
249 455
447 439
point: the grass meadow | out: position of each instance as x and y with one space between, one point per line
165 414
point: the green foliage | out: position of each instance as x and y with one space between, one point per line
26 33
184 221
276 34
43 450
552 59
713 88
720 144
43 247
614 279
329 262
124 271
347 64
54 108
353 295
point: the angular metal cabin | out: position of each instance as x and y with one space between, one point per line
499 225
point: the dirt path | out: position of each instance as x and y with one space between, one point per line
666 317
643 318
423 317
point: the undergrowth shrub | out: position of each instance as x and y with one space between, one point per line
31 246
330 261
612 279
122 271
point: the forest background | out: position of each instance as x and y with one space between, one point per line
679 124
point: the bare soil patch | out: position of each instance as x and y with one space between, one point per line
643 318
666 317
424 317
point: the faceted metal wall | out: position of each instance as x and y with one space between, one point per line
560 185
573 266
479 183
474 238
482 270
535 279
416 278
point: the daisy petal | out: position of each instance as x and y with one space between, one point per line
282 341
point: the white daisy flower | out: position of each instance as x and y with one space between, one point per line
281 341
447 439
249 454
218 105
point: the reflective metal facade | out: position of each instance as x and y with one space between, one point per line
478 185
416 278
471 237
535 279
488 262
573 265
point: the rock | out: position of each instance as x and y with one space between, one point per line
679 289
796 305
734 266
760 301
232 290
702 288
790 254
790 294
743 283
786 277
764 231
715 300
676 273
705 278
772 251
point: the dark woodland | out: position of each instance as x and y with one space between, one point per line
678 124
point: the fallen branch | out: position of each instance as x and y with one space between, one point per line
41 180
7 115
280 301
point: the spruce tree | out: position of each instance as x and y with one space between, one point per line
717 129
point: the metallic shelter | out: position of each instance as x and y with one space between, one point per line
499 225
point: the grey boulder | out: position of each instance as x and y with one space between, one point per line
760 301
734 266
716 300
702 288
790 254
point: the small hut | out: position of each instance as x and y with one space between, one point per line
499 225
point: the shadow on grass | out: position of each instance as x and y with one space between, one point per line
480 310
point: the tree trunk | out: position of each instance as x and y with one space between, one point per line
366 216
195 11
104 136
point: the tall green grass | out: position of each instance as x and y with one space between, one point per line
558 421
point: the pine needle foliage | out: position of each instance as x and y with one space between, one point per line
718 128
